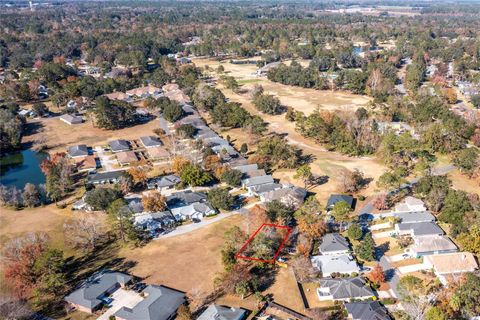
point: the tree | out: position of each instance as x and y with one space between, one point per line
352 181
466 296
186 131
355 232
303 268
277 211
312 225
100 198
268 104
120 217
220 199
154 202
467 160
31 196
179 163
341 211
58 171
377 275
410 284
455 205
304 172
138 174
450 95
112 114
435 313
14 308
172 111
232 177
83 232
40 108
50 269
193 176
390 180
366 249
470 241
11 131
244 148
475 99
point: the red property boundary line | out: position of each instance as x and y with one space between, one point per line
239 253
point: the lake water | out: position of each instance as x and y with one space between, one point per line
17 169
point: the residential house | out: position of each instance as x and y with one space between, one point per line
71 119
126 157
344 289
194 211
217 312
264 70
334 244
397 128
145 92
163 182
335 198
414 217
158 153
81 205
150 141
78 151
289 195
109 177
183 198
366 310
154 222
253 183
416 229
246 168
88 163
117 96
338 263
90 296
428 245
410 204
159 303
451 264
262 189
254 173
119 145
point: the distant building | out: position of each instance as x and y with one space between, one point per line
366 310
451 264
216 312
428 245
78 151
410 204
163 182
416 229
109 177
71 119
289 195
119 145
126 157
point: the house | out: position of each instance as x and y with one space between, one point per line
334 198
163 182
410 204
117 96
26 113
246 168
254 173
428 245
108 177
338 263
413 217
334 243
72 104
264 70
216 312
126 157
451 264
344 289
158 303
87 163
71 119
184 198
264 188
78 151
252 183
194 211
89 296
145 92
367 310
397 128
81 205
416 229
119 145
154 221
150 141
158 153
289 195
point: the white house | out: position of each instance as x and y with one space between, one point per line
334 244
342 289
329 264
410 204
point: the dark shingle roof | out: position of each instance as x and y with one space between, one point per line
150 141
347 288
185 198
105 176
216 312
334 198
367 310
164 181
89 294
421 228
78 151
333 242
119 145
160 303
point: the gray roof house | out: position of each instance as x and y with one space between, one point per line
246 168
160 303
80 150
416 229
289 195
88 297
257 181
216 312
334 198
184 198
105 177
150 141
154 221
433 244
71 119
338 263
344 289
334 243
260 190
410 217
119 145
367 310
193 211
163 182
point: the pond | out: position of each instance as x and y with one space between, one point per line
19 168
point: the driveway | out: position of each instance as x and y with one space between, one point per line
412 268
106 163
391 276
121 298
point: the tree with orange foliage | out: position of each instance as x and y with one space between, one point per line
255 218
312 226
450 95
377 275
138 174
179 163
154 202
211 162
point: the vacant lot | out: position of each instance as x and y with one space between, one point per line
58 135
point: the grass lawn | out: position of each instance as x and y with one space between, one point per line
393 247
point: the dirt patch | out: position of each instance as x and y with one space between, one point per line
462 182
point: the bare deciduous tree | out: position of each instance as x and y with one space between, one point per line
83 232
13 309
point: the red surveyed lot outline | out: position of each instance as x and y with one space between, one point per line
239 253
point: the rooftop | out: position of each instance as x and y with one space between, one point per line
126 157
453 262
347 288
367 310
342 263
421 228
78 150
433 243
334 198
158 152
150 141
119 145
216 312
334 242
421 216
